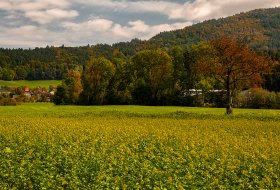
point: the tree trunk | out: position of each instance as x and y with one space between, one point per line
229 97
229 109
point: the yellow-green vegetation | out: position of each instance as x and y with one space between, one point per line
43 146
30 84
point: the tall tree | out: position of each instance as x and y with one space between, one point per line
74 83
179 73
118 89
233 65
152 73
272 81
61 96
70 89
95 79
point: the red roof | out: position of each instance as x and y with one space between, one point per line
26 89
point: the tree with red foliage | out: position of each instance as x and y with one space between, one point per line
234 65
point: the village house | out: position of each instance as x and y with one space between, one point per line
27 92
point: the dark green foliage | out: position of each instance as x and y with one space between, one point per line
152 75
118 90
272 81
7 74
131 48
41 63
69 91
142 93
96 78
61 96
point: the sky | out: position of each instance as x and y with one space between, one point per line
38 23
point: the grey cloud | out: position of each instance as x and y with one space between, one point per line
41 11
31 23
99 30
184 10
132 6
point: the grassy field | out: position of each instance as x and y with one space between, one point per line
138 147
30 84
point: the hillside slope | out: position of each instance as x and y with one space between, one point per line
258 28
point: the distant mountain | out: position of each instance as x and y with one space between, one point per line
258 28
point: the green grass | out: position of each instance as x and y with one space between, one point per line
43 146
144 111
30 84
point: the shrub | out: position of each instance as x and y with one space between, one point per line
258 98
8 102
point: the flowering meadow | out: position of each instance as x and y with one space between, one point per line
43 146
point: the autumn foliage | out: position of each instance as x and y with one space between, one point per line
232 64
165 77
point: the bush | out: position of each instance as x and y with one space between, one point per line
8 102
258 98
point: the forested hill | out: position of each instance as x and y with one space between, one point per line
258 28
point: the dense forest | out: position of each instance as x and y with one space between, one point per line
259 29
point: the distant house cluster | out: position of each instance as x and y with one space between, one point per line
26 94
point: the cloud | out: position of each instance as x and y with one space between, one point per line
207 9
46 16
5 5
94 25
25 36
28 5
198 10
31 23
103 3
138 26
132 6
42 12
100 30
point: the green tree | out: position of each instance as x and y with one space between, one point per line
190 75
1 73
272 80
178 76
96 77
8 74
61 96
152 74
202 83
74 83
70 89
118 89
21 73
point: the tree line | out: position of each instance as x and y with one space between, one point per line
217 70
53 63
